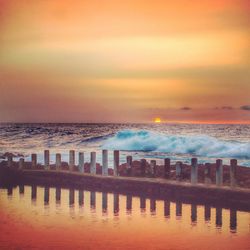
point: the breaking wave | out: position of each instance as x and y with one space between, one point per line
199 145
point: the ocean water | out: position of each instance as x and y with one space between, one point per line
180 142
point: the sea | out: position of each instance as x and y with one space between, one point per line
179 142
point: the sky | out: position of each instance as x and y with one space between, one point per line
125 61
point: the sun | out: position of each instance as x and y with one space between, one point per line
157 120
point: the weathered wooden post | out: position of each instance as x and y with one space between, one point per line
233 171
116 162
167 168
105 162
21 164
58 161
93 162
129 165
178 170
71 160
153 168
207 173
194 171
143 167
219 173
46 159
9 161
33 161
81 162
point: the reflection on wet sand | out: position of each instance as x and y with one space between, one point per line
129 204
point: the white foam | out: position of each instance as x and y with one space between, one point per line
200 145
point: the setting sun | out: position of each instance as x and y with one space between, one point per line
157 120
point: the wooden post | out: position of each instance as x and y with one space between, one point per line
233 171
46 159
33 161
58 161
167 168
71 160
153 168
143 167
81 162
207 173
21 163
194 171
129 165
116 162
219 172
93 162
178 170
9 161
105 162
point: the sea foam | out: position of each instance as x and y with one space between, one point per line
199 145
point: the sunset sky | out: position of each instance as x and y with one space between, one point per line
125 61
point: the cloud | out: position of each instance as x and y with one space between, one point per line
185 108
245 107
224 108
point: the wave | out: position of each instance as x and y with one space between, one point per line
199 145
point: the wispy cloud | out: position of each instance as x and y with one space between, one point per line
245 107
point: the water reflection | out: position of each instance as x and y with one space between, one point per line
58 195
54 195
46 195
92 200
116 204
104 202
81 198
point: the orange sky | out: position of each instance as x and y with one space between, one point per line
124 61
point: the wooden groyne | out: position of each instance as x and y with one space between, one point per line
214 183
